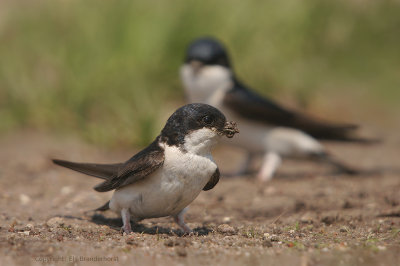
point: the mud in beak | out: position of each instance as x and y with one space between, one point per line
230 129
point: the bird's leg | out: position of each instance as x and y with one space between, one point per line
271 161
126 220
180 221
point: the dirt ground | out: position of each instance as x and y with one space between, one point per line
307 215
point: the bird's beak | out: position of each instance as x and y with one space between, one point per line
230 129
196 66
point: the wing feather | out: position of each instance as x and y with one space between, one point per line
255 107
137 168
213 180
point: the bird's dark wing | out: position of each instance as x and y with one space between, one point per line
103 171
250 105
213 180
137 168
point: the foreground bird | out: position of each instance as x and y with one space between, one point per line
165 177
267 128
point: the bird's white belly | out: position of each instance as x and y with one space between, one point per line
169 189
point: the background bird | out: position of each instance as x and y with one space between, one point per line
165 177
267 127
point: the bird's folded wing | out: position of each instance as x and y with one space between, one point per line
137 168
213 180
252 106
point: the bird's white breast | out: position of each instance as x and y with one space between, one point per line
201 85
169 189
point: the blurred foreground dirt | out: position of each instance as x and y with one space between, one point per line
307 215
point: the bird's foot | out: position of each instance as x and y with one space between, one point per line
126 229
186 229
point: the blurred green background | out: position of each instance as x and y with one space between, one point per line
108 70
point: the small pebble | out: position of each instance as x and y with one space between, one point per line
24 199
30 226
226 229
131 241
169 243
55 222
328 220
60 237
226 219
274 238
267 243
181 251
181 242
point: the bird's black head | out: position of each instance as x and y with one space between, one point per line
207 51
193 117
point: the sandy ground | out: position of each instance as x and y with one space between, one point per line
307 215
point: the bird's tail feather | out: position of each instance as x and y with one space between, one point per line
330 131
341 166
103 208
358 140
103 171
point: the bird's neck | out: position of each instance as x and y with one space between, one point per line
200 142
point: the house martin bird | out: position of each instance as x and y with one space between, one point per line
165 177
267 127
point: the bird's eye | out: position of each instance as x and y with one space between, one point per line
207 119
